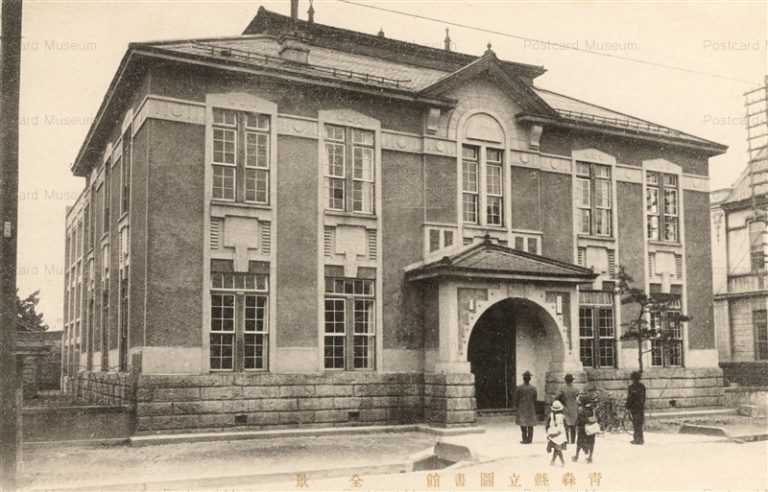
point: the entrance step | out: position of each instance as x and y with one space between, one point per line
491 412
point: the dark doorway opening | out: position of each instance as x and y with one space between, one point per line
491 356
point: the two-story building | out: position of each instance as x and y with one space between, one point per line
740 278
304 224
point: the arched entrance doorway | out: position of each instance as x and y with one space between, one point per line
512 336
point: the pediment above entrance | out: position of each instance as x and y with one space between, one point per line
487 260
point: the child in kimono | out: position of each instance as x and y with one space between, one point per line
556 436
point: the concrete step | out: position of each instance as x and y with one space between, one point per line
677 413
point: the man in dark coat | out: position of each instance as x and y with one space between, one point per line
525 395
568 397
636 406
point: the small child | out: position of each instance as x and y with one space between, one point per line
556 437
585 441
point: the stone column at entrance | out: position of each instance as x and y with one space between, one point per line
449 391
449 399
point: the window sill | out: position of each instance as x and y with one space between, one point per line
481 227
590 237
668 244
232 203
357 215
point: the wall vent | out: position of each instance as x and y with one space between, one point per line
266 237
329 242
216 230
372 244
611 263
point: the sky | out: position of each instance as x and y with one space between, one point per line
71 50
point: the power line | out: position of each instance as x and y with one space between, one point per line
552 43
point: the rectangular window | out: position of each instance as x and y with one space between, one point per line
350 316
662 207
757 240
105 216
222 331
494 187
470 184
125 176
257 158
241 156
597 332
224 182
343 145
594 202
255 332
760 326
239 318
667 347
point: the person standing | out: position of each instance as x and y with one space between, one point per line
588 427
568 396
636 406
556 439
525 396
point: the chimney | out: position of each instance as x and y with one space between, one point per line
311 13
294 9
447 40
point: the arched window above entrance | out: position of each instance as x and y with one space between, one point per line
482 126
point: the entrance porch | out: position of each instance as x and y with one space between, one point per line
499 312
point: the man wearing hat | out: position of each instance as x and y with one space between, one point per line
568 396
636 406
525 396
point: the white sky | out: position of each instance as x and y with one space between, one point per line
72 49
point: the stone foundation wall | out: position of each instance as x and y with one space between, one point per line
105 388
748 396
666 387
449 399
746 373
273 401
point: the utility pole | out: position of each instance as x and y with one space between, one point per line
10 58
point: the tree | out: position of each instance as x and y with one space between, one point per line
656 306
26 312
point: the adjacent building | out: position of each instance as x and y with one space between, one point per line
306 225
740 279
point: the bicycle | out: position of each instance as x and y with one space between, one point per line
610 412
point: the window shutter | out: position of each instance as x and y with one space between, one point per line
215 237
265 229
652 264
679 266
372 250
329 241
612 262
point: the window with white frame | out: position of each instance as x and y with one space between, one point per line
125 173
482 174
494 187
123 263
470 175
241 157
439 239
667 348
351 170
594 199
239 317
350 326
597 330
662 207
